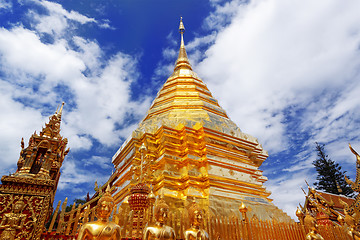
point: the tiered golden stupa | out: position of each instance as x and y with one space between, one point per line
194 149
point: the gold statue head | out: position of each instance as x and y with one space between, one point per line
161 211
105 205
19 205
195 215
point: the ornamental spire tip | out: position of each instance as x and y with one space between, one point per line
182 61
181 27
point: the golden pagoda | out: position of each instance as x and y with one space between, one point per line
187 146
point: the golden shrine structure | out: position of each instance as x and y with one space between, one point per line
326 207
187 172
195 150
26 197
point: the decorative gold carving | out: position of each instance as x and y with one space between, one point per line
319 202
350 227
52 129
143 169
354 208
352 213
13 221
25 180
43 157
23 217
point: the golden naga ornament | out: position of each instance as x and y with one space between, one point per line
349 226
196 218
353 209
310 223
102 229
158 230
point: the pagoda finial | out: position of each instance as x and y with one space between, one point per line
61 108
52 129
182 61
181 27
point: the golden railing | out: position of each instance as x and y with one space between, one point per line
232 228
218 227
68 224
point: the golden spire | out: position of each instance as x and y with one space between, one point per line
182 61
60 111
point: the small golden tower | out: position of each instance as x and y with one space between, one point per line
28 194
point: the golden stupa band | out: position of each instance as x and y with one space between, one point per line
103 229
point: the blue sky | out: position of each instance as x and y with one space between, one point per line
287 72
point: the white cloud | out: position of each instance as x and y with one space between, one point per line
98 161
196 46
72 174
57 21
5 5
169 53
79 180
23 51
105 23
162 71
222 14
36 74
292 69
52 64
270 58
98 116
287 192
57 9
17 121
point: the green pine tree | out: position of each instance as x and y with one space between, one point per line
77 203
330 178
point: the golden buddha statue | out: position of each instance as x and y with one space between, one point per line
102 229
196 218
158 230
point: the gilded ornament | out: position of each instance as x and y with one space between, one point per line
354 208
351 225
102 229
13 222
310 223
31 189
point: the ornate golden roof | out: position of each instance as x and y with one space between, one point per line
184 100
